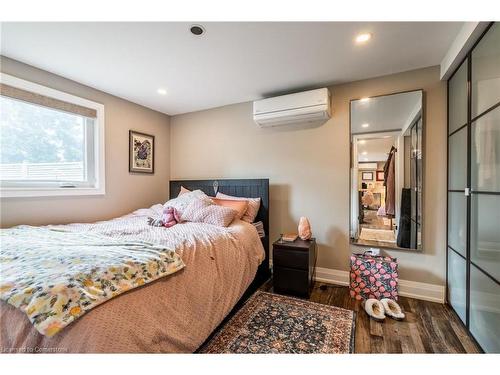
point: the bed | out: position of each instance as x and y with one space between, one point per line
175 313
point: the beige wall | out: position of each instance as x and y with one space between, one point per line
309 168
124 191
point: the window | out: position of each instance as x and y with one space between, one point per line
51 143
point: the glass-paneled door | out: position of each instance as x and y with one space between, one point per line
457 191
473 270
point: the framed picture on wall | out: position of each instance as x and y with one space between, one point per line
141 152
367 176
380 175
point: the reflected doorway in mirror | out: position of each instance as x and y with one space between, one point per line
386 171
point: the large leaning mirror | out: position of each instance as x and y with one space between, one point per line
386 171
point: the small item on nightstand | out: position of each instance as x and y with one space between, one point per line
289 237
304 228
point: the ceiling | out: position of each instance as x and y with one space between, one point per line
230 63
385 113
374 149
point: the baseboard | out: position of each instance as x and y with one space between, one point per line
424 291
413 289
331 276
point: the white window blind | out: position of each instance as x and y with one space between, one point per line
51 142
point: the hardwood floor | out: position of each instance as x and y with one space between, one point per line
429 327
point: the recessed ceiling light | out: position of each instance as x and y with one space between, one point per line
363 38
197 30
364 100
365 125
364 153
362 142
162 91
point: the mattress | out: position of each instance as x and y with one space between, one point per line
174 314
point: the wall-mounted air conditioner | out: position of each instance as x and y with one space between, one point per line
303 107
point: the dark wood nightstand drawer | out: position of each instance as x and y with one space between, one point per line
283 257
293 266
290 281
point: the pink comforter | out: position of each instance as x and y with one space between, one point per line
174 314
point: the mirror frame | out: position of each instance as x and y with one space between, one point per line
423 150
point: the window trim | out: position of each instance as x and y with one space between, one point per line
99 187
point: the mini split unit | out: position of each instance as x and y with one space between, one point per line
303 107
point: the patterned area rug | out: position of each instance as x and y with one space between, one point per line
272 323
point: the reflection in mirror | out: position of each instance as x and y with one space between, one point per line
386 171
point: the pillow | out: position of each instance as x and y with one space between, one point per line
182 201
253 206
259 226
240 206
183 191
202 210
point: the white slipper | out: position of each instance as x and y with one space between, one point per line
375 309
392 309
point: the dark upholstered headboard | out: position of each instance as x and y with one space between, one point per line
248 188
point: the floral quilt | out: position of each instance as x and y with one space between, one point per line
56 276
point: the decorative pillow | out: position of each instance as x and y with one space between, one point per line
183 191
259 225
203 210
252 209
182 201
239 206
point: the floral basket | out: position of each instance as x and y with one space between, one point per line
373 277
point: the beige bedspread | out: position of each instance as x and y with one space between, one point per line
173 314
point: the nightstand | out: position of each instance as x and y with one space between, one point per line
293 266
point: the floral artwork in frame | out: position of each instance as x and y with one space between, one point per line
141 152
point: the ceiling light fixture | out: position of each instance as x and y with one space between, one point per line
362 142
363 38
365 125
162 91
364 100
197 30
364 153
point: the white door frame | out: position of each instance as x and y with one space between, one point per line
399 167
